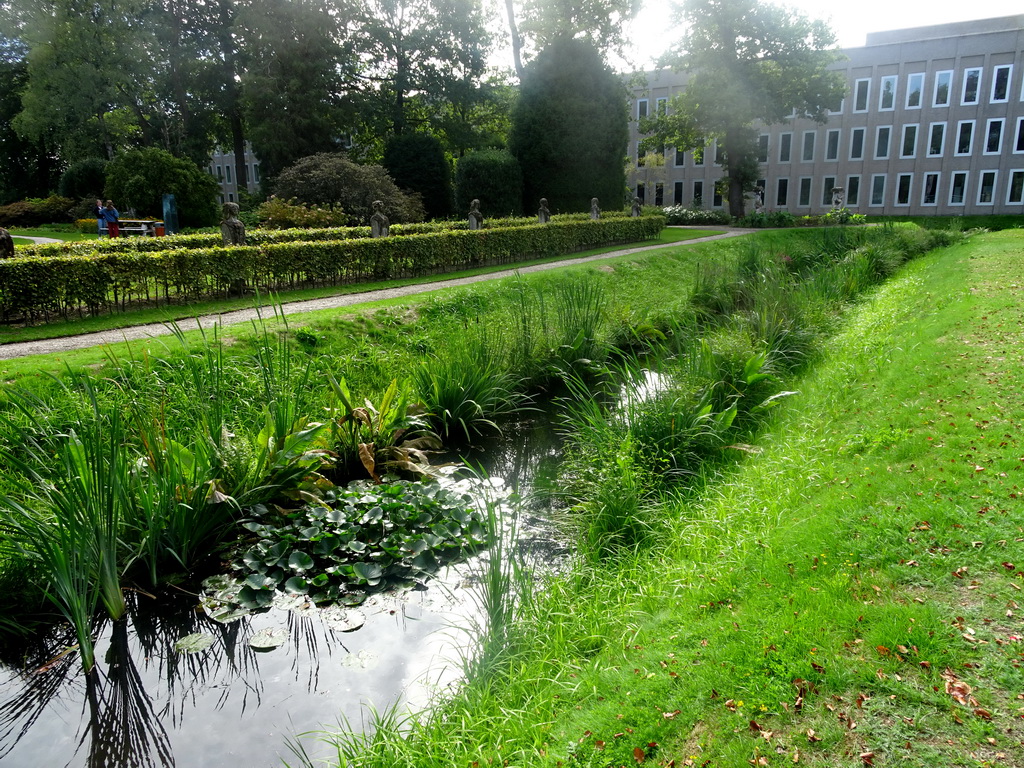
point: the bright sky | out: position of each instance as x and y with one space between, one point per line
850 19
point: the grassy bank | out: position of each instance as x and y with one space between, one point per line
846 595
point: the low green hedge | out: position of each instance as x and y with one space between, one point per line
59 285
270 236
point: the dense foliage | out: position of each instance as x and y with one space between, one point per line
569 129
493 177
139 179
85 178
417 163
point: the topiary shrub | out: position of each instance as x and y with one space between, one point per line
493 177
417 163
333 179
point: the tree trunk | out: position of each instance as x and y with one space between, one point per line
517 41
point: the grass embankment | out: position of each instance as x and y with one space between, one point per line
847 596
165 314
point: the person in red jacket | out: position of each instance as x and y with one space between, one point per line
109 214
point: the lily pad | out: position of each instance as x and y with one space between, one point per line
269 639
194 643
341 619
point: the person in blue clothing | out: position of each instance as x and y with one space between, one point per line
108 213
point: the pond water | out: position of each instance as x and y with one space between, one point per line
150 704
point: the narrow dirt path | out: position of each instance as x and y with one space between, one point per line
115 336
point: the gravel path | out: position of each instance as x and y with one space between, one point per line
69 343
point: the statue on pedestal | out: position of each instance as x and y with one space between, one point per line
380 225
476 218
595 208
6 244
637 206
543 215
232 230
838 198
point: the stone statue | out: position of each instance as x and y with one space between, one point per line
838 195
6 244
476 218
636 207
758 200
595 208
543 215
232 230
380 225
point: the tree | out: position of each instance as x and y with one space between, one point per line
493 177
569 129
84 178
333 179
748 62
26 168
416 161
140 178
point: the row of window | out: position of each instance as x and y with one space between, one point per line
913 140
972 89
224 173
931 191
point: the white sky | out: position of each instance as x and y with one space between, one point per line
851 20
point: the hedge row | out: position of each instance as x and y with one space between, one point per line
40 288
270 236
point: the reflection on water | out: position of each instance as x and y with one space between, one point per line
148 705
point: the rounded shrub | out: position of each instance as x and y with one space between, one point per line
493 177
85 178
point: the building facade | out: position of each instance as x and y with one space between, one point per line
933 123
222 168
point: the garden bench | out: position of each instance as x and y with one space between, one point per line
145 227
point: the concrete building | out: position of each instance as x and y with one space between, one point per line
222 168
933 123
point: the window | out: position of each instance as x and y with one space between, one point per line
930 194
677 193
915 90
661 106
698 154
972 86
804 198
719 154
994 136
936 139
1001 83
832 145
1018 144
903 182
762 148
231 197
826 190
878 189
716 200
908 147
1015 192
943 86
852 191
227 176
837 109
964 137
987 190
958 188
220 171
641 109
698 193
640 159
807 155
641 192
861 91
887 94
857 144
785 147
256 172
680 158
882 142
781 192
659 194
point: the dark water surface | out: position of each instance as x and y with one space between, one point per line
148 704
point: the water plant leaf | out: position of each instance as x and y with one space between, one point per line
368 573
297 585
269 638
194 643
300 561
342 619
255 598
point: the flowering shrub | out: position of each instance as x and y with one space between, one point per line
678 215
276 213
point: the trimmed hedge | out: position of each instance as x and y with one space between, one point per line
60 285
93 248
